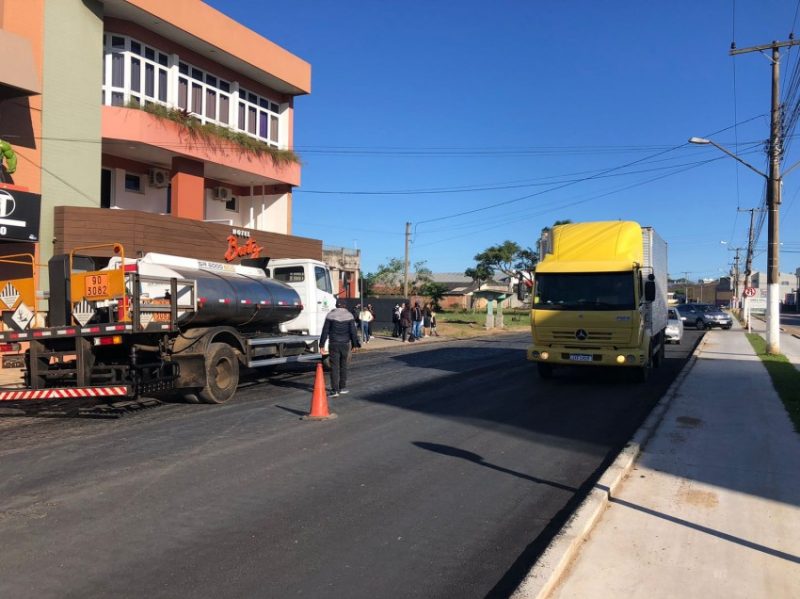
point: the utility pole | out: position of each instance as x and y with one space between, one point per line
773 194
686 287
748 261
405 276
735 274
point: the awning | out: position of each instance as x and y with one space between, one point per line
18 72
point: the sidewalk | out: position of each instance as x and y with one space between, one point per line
711 505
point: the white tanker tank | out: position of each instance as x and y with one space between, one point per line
225 294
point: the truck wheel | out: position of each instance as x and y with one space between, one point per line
222 374
545 370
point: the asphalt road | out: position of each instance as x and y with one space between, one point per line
447 471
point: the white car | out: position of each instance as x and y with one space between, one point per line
674 330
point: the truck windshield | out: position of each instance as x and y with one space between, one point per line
584 291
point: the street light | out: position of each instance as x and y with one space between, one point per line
773 180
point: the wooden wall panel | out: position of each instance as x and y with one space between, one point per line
142 232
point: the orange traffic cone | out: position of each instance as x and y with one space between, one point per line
319 400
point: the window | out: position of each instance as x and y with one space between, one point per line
323 279
585 291
134 72
289 274
133 183
232 204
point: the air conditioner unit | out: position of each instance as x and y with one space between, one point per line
223 194
159 177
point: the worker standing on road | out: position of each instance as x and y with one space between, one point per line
340 332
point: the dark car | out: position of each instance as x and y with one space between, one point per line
704 316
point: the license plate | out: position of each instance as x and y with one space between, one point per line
96 286
580 357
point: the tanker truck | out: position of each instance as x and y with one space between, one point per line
164 325
600 298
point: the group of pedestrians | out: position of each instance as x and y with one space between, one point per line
413 322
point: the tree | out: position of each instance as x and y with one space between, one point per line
433 290
509 258
388 278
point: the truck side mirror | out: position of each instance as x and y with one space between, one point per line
649 291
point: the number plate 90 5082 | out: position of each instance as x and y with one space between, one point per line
96 286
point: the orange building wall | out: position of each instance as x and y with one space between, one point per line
21 118
202 21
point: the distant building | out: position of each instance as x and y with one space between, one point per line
345 265
461 290
788 284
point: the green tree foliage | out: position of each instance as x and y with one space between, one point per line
509 258
433 290
388 278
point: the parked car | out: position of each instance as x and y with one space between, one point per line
704 316
674 330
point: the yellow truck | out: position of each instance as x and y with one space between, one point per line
599 298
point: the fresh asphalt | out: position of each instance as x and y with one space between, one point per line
449 468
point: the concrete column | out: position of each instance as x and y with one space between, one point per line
188 189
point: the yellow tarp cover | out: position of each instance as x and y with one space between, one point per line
609 246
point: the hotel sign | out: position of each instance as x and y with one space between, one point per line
19 215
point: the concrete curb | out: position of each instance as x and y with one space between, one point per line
556 559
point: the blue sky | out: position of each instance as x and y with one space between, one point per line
583 103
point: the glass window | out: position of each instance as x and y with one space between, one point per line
149 80
232 204
585 291
323 279
163 59
197 98
136 48
197 74
262 123
252 98
264 103
183 68
162 85
289 274
211 80
211 103
136 74
117 99
273 128
241 116
251 120
117 69
224 108
183 93
149 53
275 108
224 86
133 182
117 41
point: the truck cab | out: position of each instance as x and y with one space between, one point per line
599 298
312 281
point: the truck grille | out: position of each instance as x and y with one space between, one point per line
593 337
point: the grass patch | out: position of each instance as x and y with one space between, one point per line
473 324
785 377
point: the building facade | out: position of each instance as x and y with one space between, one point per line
163 108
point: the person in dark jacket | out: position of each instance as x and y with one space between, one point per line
340 332
405 322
